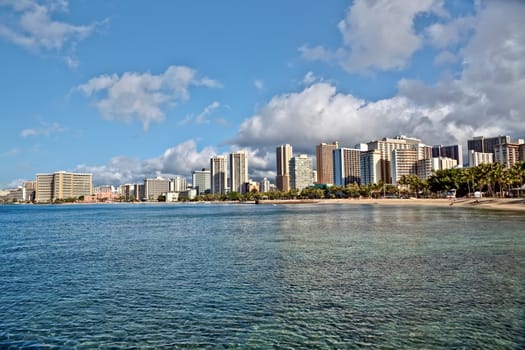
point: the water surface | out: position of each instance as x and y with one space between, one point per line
298 276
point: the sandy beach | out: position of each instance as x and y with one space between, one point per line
514 204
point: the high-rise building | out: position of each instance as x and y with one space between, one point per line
370 167
218 174
155 187
300 172
347 166
486 144
477 158
414 161
283 155
201 180
62 185
238 171
265 185
522 152
385 147
178 184
325 162
452 151
507 154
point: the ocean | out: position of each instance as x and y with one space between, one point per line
260 276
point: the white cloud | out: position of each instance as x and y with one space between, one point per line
445 57
181 159
309 78
142 96
376 35
203 117
33 27
442 35
45 129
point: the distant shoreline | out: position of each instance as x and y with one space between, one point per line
514 204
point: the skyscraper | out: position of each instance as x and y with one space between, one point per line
325 162
347 166
238 171
218 174
452 151
385 147
201 180
300 172
370 162
486 144
283 154
155 187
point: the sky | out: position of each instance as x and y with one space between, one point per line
133 89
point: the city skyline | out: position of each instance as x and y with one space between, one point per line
317 74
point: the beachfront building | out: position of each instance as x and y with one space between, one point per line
238 171
265 185
218 174
62 185
452 151
370 167
347 166
486 144
325 162
443 163
178 184
155 187
201 180
477 158
300 172
507 154
283 154
414 161
385 146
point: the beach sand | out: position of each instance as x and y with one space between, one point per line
514 204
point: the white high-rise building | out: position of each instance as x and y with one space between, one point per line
178 184
300 172
283 154
370 165
347 166
218 174
238 171
265 185
201 180
477 158
155 187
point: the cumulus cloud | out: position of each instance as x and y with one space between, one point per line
485 99
181 159
32 26
45 129
142 96
376 35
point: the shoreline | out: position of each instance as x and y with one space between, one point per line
507 204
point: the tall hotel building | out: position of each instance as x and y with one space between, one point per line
477 158
283 154
238 171
153 188
325 162
347 166
385 147
486 144
508 154
62 185
201 180
300 172
218 174
414 161
370 166
452 151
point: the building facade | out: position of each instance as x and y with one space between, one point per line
483 144
507 154
370 167
347 166
452 151
62 185
238 171
300 172
153 188
477 158
178 184
218 174
283 154
325 162
443 163
201 180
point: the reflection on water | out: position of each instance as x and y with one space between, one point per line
308 276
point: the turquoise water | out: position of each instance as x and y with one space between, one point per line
246 276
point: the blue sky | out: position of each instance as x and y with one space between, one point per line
134 89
